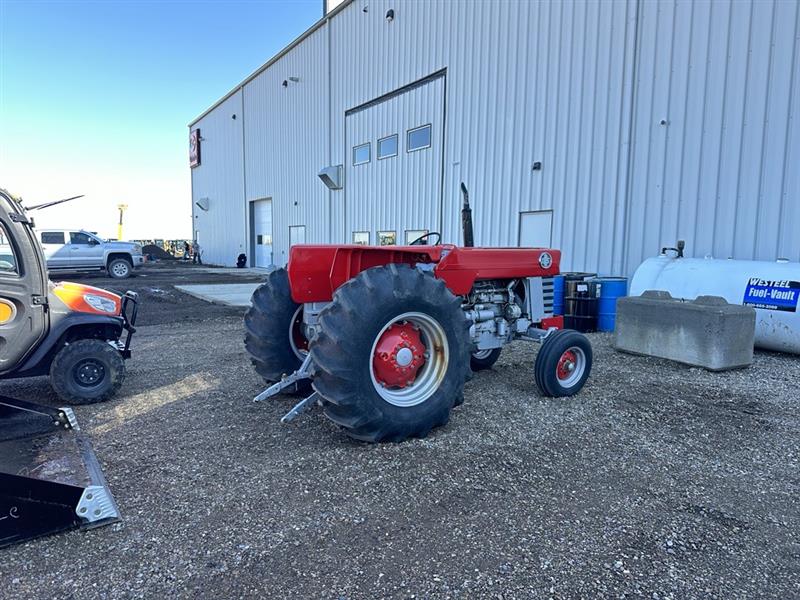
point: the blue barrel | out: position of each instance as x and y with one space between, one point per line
558 295
608 290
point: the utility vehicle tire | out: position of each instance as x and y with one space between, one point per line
269 324
481 360
563 363
391 354
120 268
87 371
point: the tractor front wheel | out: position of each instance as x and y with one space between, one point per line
480 360
391 355
563 363
273 330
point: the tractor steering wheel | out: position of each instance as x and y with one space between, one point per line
418 241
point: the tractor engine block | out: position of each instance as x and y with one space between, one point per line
501 310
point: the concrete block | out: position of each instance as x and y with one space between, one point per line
706 332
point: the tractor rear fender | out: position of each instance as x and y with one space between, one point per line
316 272
70 327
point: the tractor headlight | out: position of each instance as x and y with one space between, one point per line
100 303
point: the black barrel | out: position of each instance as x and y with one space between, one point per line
580 307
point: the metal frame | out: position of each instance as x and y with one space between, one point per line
369 237
430 138
535 212
378 237
369 158
378 147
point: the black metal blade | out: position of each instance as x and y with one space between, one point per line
49 477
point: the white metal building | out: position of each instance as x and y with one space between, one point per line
605 128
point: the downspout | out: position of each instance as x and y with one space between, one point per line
631 118
246 207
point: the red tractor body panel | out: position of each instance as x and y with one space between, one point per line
315 272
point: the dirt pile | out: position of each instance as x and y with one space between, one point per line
157 252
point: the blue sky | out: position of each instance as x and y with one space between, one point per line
95 97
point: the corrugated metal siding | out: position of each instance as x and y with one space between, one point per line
721 171
582 87
526 82
286 132
402 192
219 178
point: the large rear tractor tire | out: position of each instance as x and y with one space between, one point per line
563 363
273 332
87 372
391 355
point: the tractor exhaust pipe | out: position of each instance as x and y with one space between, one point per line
466 218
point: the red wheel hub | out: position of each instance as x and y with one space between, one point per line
300 341
398 356
566 365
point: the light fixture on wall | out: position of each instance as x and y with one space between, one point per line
331 177
202 204
390 15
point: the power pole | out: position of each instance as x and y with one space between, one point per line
122 208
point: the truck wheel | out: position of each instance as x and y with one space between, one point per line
273 333
484 359
391 354
120 268
563 363
87 372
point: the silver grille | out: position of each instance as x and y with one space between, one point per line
547 289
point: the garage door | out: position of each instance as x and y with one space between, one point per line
262 232
393 189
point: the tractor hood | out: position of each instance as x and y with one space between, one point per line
86 299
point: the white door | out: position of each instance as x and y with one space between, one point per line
297 235
84 250
393 173
536 229
262 232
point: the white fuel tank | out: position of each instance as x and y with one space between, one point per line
772 288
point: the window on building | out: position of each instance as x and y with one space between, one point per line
264 239
361 238
8 260
387 238
414 234
76 237
361 154
418 138
387 147
53 237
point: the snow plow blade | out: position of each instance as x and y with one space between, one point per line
50 480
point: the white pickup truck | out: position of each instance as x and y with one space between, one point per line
78 250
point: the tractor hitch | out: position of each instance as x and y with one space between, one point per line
289 381
301 407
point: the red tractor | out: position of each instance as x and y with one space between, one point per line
388 335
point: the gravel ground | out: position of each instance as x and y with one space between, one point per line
657 480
